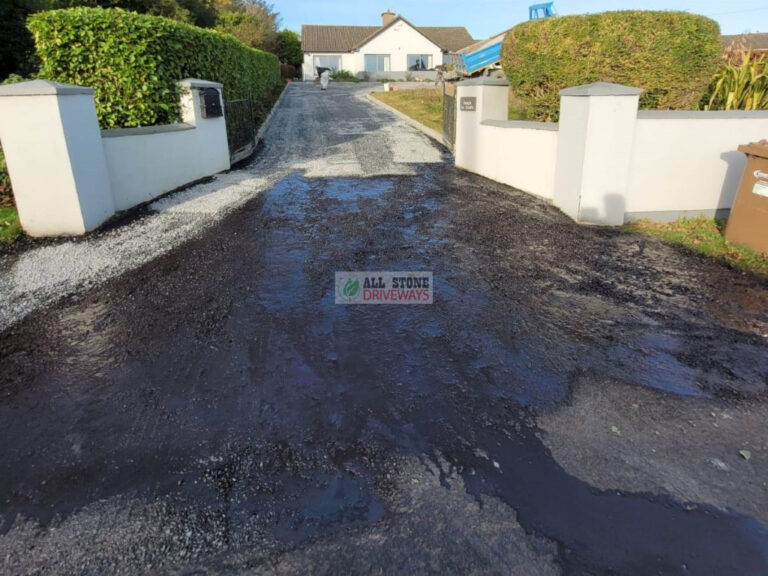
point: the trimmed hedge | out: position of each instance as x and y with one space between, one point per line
133 62
671 55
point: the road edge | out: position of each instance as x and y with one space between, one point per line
264 125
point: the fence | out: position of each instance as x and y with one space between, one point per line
605 162
241 129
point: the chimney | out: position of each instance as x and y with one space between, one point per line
387 17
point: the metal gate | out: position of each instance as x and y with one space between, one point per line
241 128
449 113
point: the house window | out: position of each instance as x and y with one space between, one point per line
377 62
420 62
332 62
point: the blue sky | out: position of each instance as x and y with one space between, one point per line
484 18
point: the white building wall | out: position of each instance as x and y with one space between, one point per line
687 163
399 41
349 62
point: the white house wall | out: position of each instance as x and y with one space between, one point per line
349 62
399 41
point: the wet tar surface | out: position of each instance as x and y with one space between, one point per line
215 412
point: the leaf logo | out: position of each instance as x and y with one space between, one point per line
351 288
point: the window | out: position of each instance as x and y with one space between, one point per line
377 62
332 62
420 62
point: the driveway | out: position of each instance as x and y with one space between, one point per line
574 402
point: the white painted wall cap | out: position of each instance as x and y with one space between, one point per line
602 89
42 88
197 83
484 81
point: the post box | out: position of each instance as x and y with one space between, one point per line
211 103
748 223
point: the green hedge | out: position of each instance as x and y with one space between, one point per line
672 55
133 62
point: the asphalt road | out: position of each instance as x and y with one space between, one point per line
213 411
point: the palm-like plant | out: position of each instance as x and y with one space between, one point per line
740 85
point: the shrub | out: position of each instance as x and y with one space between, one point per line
671 55
289 48
287 71
134 61
344 76
5 180
740 85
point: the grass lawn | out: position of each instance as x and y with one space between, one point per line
704 236
10 228
424 105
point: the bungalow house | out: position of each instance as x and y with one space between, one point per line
391 50
757 43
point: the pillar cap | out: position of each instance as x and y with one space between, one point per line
484 81
42 88
602 89
197 83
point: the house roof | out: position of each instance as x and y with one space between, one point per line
449 38
751 41
333 38
348 38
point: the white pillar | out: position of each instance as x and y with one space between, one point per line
477 100
52 145
214 154
596 135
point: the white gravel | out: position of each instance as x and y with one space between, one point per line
337 133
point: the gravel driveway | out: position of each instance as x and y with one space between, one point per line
181 395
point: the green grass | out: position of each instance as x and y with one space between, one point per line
704 236
425 105
10 227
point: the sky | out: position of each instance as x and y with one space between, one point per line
484 18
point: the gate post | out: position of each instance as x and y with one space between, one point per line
52 146
594 151
213 130
477 100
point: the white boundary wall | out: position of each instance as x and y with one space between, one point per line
145 163
686 163
606 162
519 154
69 177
